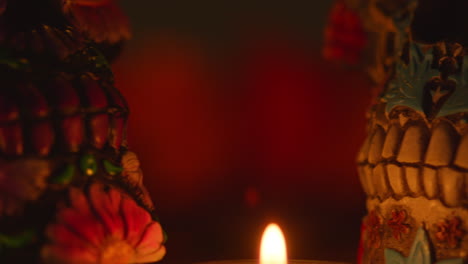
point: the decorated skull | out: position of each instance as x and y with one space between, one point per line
414 164
70 190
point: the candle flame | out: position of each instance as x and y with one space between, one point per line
273 246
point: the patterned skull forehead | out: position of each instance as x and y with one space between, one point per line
423 82
428 77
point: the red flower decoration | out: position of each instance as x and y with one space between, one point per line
449 231
397 224
374 230
103 227
100 20
345 38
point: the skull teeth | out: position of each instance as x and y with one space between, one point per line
461 159
414 161
381 182
442 145
413 145
376 145
391 180
397 181
58 120
451 186
431 186
392 142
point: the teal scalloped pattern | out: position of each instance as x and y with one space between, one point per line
420 253
406 89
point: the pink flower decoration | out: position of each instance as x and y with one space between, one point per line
103 227
101 20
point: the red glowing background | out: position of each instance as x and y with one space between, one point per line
238 121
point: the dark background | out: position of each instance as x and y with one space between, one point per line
238 122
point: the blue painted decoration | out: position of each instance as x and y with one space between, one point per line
420 253
406 89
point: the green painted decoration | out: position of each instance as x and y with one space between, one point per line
17 241
165 237
407 87
88 165
65 176
6 58
111 168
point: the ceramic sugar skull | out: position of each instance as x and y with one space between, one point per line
414 164
70 190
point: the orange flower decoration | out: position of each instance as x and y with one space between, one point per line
449 231
397 224
100 20
103 226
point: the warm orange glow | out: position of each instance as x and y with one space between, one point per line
273 246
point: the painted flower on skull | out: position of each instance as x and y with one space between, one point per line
103 226
450 231
397 224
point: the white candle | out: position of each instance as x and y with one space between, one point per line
273 246
272 251
252 261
